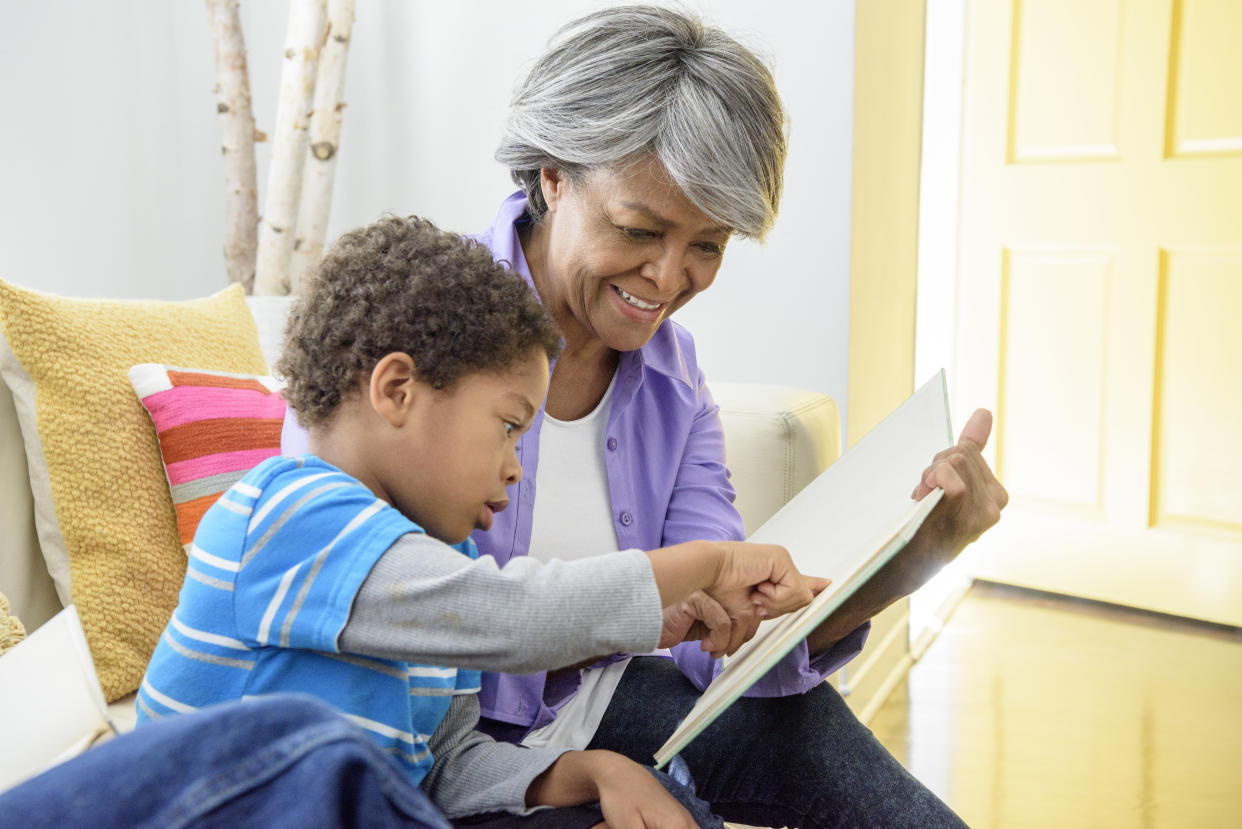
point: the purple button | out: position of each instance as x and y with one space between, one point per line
612 444
627 519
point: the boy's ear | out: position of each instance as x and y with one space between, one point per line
393 387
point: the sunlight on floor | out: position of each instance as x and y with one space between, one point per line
1036 711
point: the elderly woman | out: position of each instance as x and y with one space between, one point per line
643 141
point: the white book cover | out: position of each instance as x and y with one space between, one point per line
51 705
845 525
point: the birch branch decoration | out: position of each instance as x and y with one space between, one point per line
324 140
284 178
241 202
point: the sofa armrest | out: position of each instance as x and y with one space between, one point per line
23 572
777 440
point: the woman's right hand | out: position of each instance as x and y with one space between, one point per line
701 617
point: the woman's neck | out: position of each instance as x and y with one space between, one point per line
579 382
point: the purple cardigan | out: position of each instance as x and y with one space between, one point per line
661 410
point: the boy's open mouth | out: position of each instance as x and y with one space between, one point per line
489 513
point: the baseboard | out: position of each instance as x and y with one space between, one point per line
897 673
924 637
866 682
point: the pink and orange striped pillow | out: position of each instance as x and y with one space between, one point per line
213 428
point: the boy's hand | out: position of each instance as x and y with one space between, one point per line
760 576
723 589
629 796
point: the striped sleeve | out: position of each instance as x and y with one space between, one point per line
309 545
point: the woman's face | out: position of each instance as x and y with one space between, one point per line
621 252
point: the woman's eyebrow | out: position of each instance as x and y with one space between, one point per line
639 207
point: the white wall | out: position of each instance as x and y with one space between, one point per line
110 183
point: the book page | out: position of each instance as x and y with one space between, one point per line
51 705
845 525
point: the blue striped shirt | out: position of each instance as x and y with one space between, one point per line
272 575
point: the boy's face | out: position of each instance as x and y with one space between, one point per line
460 453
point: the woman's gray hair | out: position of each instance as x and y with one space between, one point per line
624 82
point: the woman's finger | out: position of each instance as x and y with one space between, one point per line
977 430
743 630
715 620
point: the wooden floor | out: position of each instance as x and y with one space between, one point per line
1038 711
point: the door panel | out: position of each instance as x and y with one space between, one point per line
1059 69
1100 295
1053 321
1195 483
1202 54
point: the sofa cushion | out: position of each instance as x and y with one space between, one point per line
777 440
103 511
213 427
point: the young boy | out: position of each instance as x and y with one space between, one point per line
416 362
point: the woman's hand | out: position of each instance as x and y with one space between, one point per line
629 796
972 502
973 498
702 617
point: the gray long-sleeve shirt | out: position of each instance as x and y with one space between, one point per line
425 602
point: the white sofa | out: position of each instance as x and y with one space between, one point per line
778 440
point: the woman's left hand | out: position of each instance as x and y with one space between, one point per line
973 498
972 502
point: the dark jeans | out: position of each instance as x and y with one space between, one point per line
284 760
800 761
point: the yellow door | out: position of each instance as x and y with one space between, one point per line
1100 295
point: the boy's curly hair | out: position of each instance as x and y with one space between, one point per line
403 285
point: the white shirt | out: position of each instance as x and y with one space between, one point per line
573 519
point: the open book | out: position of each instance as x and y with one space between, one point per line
51 705
845 525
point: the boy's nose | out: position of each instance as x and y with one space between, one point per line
512 470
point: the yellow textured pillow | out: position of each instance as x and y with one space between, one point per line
102 507
11 630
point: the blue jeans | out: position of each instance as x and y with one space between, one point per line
281 760
800 761
284 760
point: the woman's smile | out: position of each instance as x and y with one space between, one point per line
630 299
